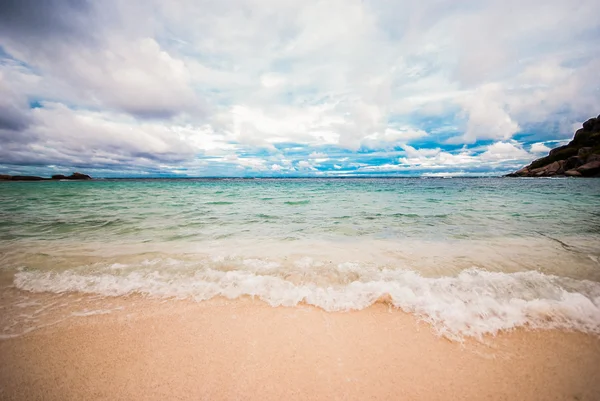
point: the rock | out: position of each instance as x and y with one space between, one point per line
74 176
590 169
548 170
585 138
592 158
579 134
572 173
573 162
536 172
524 171
596 126
577 158
589 124
584 152
556 150
26 178
79 176
556 168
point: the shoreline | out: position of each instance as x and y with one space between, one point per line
140 348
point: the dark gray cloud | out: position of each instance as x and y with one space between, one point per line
41 19
12 119
15 115
97 56
59 136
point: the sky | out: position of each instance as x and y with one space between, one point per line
292 88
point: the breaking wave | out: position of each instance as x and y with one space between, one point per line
473 303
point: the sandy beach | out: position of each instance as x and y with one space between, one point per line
299 200
143 349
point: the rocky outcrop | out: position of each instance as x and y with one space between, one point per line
579 158
74 176
26 178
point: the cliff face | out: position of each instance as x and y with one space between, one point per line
579 158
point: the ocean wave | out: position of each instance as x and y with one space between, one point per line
294 203
473 303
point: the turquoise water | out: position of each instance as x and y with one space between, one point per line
200 210
470 256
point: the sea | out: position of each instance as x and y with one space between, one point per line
469 256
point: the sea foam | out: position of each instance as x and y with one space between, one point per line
473 303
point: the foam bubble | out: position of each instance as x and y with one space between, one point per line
259 264
473 303
117 266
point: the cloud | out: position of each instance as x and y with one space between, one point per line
435 158
14 109
251 163
34 20
95 63
136 77
66 136
487 116
255 87
504 151
539 147
392 137
306 165
497 156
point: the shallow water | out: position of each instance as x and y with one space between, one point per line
471 256
199 210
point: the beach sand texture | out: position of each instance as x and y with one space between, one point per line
244 349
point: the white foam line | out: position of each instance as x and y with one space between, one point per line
474 303
29 330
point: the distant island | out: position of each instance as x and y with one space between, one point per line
74 176
579 158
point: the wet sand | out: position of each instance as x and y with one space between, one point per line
244 349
